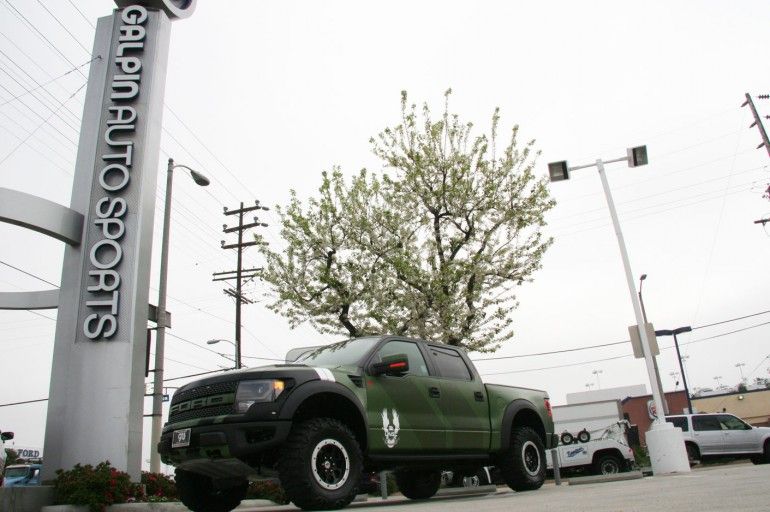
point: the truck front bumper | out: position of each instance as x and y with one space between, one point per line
224 440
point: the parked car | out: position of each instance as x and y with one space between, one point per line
361 405
712 435
17 475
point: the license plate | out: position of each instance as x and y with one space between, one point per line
180 438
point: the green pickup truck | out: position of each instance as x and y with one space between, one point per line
343 410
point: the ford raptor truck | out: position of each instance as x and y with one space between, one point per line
339 411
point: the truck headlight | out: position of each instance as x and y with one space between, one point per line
252 391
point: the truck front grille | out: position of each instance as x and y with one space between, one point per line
203 402
206 412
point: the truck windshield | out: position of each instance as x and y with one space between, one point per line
344 353
16 472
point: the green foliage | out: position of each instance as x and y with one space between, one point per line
641 456
95 487
159 487
267 490
433 247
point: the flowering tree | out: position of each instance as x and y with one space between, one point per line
434 246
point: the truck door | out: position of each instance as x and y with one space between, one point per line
463 401
739 436
707 431
403 411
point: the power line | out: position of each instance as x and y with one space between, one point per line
81 14
45 121
29 274
589 347
58 21
25 402
35 30
581 363
39 85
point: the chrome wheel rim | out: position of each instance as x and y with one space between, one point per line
330 464
530 456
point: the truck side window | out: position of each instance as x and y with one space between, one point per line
701 423
417 364
450 364
679 422
730 422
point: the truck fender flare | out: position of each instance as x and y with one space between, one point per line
316 387
510 413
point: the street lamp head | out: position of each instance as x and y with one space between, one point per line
199 178
643 277
558 171
637 156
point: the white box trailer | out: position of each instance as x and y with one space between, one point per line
590 416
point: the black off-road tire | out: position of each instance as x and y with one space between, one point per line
608 465
764 458
418 485
320 465
523 465
199 494
693 454
567 438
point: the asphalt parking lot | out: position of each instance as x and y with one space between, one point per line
734 487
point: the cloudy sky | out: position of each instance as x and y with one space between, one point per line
262 96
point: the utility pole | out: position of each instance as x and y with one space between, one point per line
240 274
758 121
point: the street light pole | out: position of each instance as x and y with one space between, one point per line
160 336
665 442
654 358
656 394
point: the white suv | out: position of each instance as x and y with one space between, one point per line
722 435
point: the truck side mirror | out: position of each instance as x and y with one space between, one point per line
6 436
397 364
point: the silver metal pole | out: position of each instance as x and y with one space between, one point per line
656 395
384 484
555 462
160 338
654 358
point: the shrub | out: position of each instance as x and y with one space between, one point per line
267 490
158 486
95 487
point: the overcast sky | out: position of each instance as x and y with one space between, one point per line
263 96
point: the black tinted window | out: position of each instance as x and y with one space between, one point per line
700 423
730 422
417 364
450 364
680 422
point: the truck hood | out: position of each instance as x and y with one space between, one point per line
299 372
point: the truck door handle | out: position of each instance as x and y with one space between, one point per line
434 392
479 396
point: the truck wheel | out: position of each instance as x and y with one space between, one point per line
320 465
693 454
567 438
584 436
523 464
418 485
764 458
607 465
199 494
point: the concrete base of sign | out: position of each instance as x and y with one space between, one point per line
23 499
668 454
